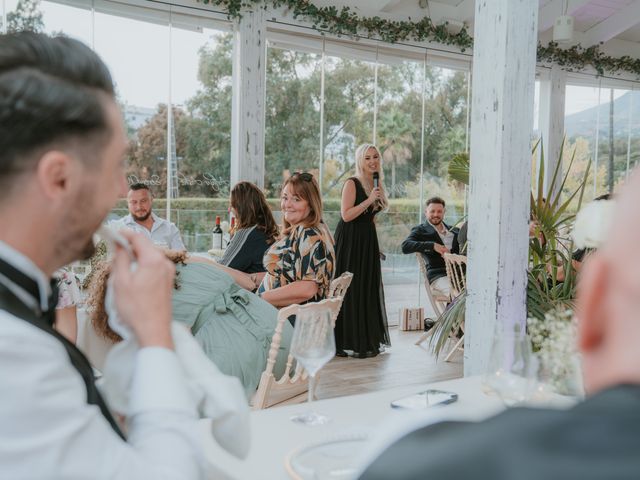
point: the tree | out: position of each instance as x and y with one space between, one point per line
26 17
396 132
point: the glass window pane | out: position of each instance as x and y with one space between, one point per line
136 53
292 123
398 131
201 104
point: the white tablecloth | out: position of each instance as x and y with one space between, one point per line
274 435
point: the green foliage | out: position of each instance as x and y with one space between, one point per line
26 17
459 168
551 278
345 21
579 57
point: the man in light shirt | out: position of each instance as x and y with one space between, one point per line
141 219
62 144
433 239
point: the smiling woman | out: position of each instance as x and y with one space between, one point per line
361 328
300 265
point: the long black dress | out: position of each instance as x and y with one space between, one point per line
362 325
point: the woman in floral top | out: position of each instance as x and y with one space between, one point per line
300 265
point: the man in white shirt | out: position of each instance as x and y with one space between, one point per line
62 144
141 219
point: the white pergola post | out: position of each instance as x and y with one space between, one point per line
551 121
247 111
504 58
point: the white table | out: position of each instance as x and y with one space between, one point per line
274 435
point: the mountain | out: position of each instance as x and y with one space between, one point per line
583 123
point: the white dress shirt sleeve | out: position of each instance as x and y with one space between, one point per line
49 431
175 242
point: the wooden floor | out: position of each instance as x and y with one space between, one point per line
402 364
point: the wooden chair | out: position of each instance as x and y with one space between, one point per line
340 285
456 273
338 288
437 300
294 383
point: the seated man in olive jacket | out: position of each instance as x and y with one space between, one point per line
597 439
433 239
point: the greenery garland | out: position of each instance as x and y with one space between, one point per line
578 57
344 21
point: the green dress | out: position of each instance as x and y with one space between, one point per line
234 327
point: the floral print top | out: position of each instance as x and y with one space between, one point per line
305 254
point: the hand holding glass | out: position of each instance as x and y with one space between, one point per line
312 345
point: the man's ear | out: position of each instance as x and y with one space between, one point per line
591 303
54 172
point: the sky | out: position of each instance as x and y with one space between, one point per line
141 55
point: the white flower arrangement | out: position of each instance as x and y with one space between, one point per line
554 342
592 224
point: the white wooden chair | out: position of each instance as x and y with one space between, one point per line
437 300
456 273
340 285
338 289
294 383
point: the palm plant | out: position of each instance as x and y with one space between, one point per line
551 277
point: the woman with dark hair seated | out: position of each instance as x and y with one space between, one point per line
300 265
233 326
256 229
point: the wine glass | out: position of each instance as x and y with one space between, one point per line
312 345
512 368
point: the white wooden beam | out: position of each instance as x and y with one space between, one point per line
465 11
248 100
504 58
553 9
551 121
617 23
389 5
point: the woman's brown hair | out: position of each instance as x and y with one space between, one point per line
305 186
252 209
98 290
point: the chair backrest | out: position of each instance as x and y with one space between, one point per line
340 285
438 302
456 272
294 381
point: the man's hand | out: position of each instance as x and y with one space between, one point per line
143 297
441 249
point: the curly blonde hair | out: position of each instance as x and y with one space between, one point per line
98 290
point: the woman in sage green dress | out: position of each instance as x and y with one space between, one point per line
233 326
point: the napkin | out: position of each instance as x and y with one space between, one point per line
216 396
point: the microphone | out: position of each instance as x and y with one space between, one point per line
376 179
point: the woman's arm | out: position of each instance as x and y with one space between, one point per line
296 292
245 280
348 209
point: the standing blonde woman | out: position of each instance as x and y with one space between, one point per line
361 329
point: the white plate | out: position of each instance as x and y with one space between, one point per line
331 459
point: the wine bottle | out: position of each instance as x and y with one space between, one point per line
216 236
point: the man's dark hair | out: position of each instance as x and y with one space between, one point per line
139 186
435 200
52 95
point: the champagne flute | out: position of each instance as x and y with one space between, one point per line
312 345
512 369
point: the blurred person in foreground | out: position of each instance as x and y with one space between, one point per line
62 144
596 439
